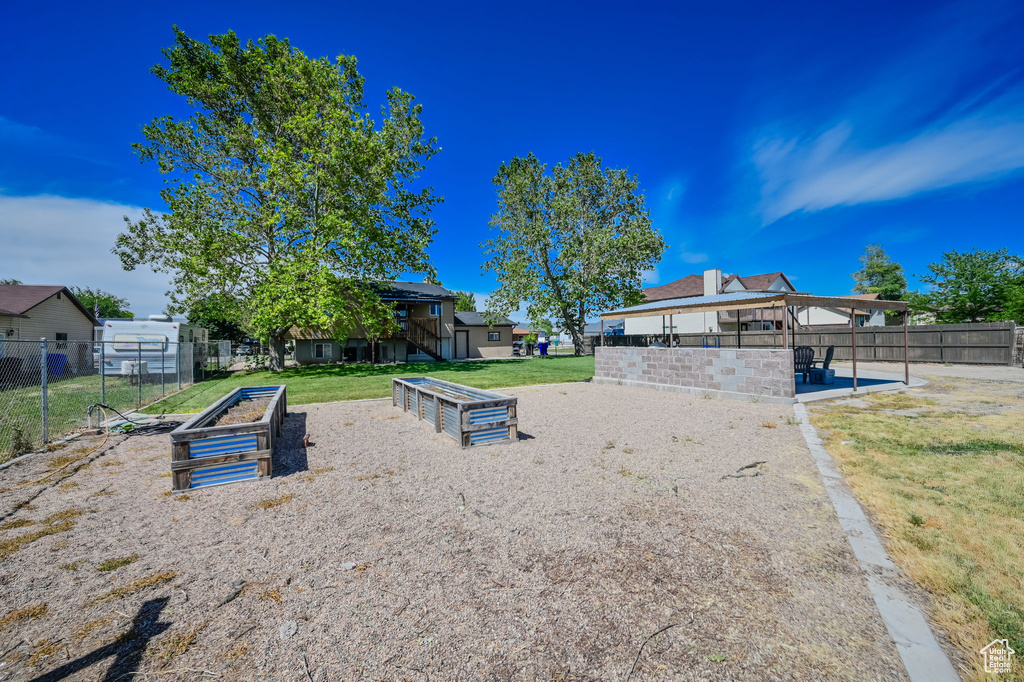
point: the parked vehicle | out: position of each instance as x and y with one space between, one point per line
155 342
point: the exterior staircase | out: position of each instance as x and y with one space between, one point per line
422 333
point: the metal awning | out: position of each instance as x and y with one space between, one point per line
741 300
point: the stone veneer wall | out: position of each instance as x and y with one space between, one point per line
750 373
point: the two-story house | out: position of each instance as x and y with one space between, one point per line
428 328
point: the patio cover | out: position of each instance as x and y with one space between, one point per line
742 300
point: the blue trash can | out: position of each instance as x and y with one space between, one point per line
56 364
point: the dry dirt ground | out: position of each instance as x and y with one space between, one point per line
386 552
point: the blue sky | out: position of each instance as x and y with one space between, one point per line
766 137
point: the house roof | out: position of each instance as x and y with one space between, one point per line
412 291
17 299
693 285
474 319
758 282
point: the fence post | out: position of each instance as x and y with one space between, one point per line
163 370
42 383
103 373
138 373
178 365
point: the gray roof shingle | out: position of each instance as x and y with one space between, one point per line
474 319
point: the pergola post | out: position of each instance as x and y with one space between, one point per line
785 328
602 331
853 340
906 349
739 341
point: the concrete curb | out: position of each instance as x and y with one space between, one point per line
922 656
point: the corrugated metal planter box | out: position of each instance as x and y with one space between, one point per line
203 456
469 415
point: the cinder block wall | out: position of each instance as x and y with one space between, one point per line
750 372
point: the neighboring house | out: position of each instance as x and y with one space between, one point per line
31 313
426 331
711 282
474 338
835 317
520 333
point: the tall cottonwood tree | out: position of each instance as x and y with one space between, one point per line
284 196
569 243
880 275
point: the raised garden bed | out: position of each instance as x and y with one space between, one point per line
469 415
213 449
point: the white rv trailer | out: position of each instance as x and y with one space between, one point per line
156 341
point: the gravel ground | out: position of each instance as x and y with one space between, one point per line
386 552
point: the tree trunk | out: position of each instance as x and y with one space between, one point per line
578 345
277 350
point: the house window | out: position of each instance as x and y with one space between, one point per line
494 336
62 336
322 351
435 310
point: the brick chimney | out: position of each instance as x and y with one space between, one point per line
712 281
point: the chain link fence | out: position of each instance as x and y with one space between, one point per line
47 387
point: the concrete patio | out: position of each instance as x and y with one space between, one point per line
868 381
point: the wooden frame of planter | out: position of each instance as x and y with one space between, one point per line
469 415
204 455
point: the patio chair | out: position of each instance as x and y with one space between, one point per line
828 358
803 359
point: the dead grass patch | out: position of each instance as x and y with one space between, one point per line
177 643
92 625
44 650
68 486
27 613
236 653
166 474
370 477
269 595
16 523
137 586
114 564
73 566
112 463
949 495
15 544
274 501
769 425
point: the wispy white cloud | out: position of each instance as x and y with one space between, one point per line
693 257
58 240
939 117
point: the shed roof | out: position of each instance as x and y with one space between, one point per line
745 299
475 319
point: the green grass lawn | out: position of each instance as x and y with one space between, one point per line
326 383
68 405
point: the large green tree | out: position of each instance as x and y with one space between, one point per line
466 302
880 275
569 243
220 316
283 193
109 305
10 281
973 286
